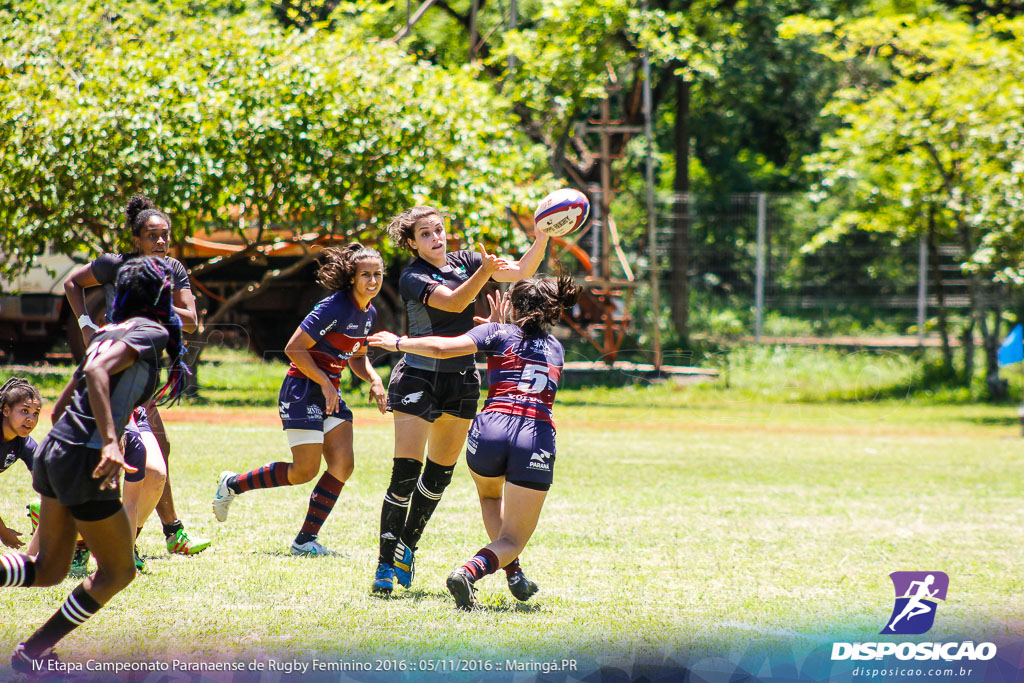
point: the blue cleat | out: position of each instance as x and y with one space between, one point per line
405 564
384 579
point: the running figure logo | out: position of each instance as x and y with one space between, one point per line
916 595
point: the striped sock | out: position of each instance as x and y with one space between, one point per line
17 570
267 477
321 502
483 563
512 567
75 611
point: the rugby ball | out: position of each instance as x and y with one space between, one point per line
562 212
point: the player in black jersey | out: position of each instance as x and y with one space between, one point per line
151 231
433 401
21 404
77 467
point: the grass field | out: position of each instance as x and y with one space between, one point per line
682 520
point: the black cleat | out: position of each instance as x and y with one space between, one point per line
521 587
24 663
460 585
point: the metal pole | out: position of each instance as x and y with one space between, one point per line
652 230
762 215
922 288
596 230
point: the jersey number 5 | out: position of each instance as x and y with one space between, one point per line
534 379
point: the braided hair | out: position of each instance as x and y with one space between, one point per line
401 228
144 289
139 210
338 270
537 303
18 390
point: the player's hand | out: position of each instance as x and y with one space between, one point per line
110 466
492 263
384 340
379 394
9 537
539 234
499 308
331 397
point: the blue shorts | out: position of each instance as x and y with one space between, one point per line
134 455
521 449
302 405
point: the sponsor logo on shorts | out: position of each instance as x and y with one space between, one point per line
412 398
314 412
540 461
472 440
283 408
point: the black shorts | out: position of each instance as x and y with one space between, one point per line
64 472
429 394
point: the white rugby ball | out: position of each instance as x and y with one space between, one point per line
562 212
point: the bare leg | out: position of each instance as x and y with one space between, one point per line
140 497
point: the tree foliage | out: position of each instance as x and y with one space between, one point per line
931 140
226 119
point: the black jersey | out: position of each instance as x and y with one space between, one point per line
129 388
18 448
106 267
418 281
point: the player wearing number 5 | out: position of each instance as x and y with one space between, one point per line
433 400
511 447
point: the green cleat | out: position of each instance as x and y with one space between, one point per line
180 543
80 562
33 515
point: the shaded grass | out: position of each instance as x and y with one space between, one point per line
679 522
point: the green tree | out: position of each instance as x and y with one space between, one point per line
930 143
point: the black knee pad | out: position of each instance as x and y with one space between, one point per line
404 474
437 477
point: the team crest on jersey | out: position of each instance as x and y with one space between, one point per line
351 326
540 461
438 278
412 398
9 459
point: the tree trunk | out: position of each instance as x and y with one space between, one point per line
940 293
679 288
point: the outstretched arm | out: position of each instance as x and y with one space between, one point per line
431 347
528 264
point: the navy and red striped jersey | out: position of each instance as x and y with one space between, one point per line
523 372
339 328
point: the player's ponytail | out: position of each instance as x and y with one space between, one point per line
338 267
402 227
538 303
144 289
18 390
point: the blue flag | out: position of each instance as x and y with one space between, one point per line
1012 349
